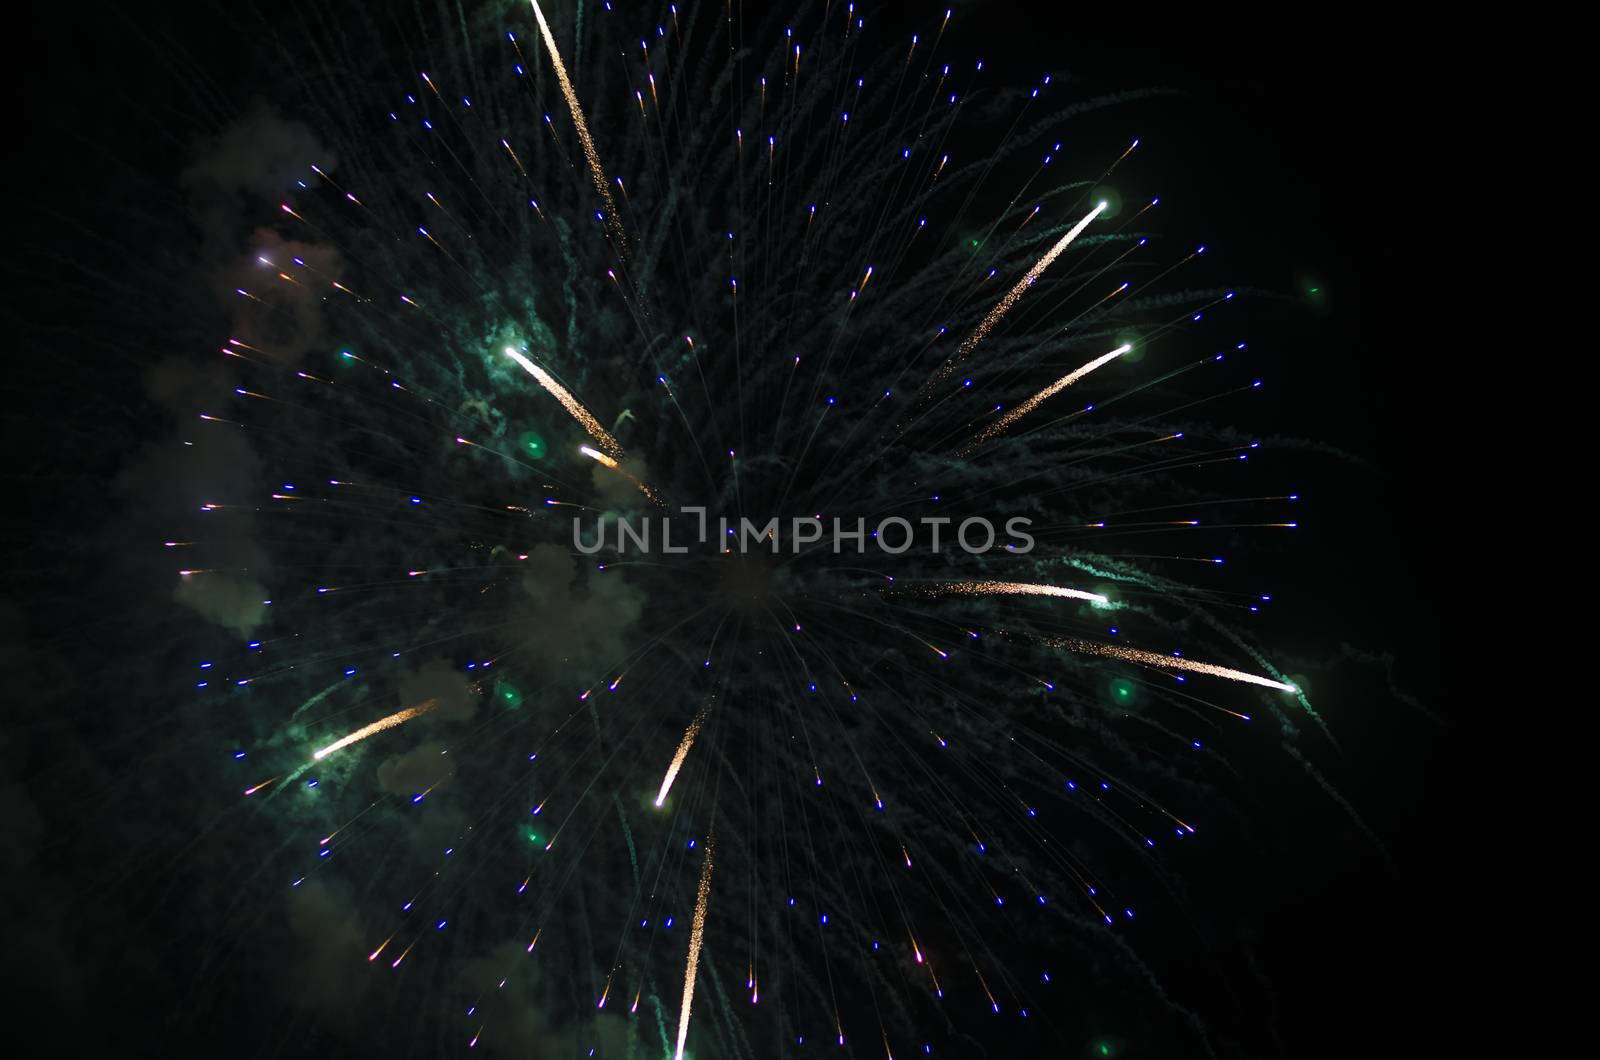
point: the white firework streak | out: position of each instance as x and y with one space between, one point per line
697 936
397 718
982 588
1169 662
682 753
606 461
612 447
1004 305
599 457
596 171
1038 399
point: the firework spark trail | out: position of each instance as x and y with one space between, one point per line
1004 305
596 171
697 936
984 588
1170 662
575 407
682 753
606 461
398 718
1038 399
594 454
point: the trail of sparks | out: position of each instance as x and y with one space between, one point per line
397 718
983 588
696 936
682 753
596 172
606 461
1004 305
1038 399
1169 662
602 458
573 406
251 791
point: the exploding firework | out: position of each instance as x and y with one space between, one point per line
752 275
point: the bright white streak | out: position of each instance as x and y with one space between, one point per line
979 588
596 172
1170 662
593 454
683 752
697 936
1042 396
378 726
1005 304
570 403
607 461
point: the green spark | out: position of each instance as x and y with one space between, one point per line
532 445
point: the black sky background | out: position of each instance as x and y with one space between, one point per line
1302 146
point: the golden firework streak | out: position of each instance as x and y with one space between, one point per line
697 936
606 461
980 588
398 718
1038 399
1167 662
683 752
599 456
575 407
596 172
1004 305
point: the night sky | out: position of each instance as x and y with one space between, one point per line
1308 155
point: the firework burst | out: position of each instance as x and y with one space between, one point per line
810 311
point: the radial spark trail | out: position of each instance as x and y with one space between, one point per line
606 461
1038 399
575 407
398 718
596 455
1004 305
683 752
596 172
983 588
1169 662
697 936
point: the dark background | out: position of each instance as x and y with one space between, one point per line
1305 149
